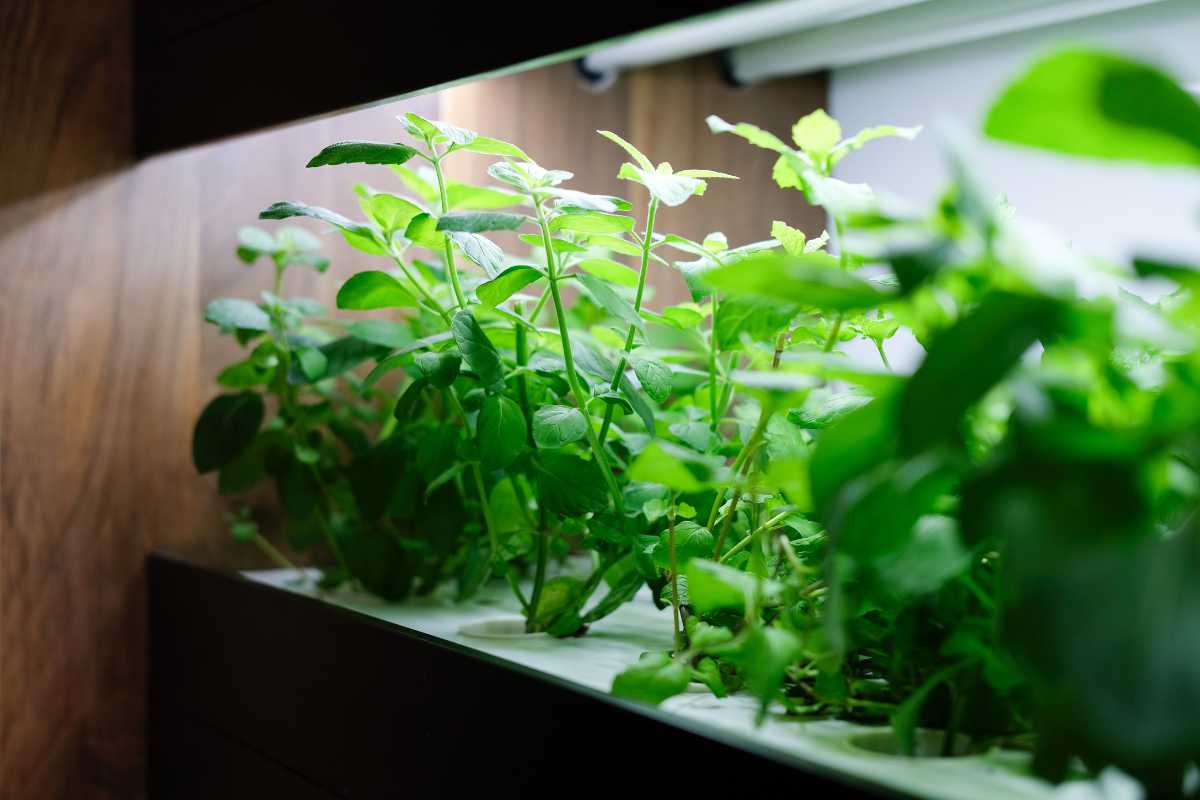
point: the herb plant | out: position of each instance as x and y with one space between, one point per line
1001 545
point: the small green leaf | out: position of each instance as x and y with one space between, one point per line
494 147
477 350
390 212
374 289
633 152
480 250
287 209
716 587
555 426
608 270
235 314
468 197
506 284
501 431
691 541
612 302
791 238
751 133
313 362
654 376
362 152
870 134
479 221
254 242
440 369
816 133
670 466
591 222
225 428
653 679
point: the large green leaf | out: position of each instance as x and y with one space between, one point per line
479 221
227 425
812 279
234 313
362 152
569 485
591 222
481 250
612 302
654 678
969 359
477 350
501 431
374 289
1090 103
512 280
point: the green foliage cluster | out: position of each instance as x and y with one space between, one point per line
1002 544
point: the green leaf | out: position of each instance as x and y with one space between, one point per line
967 360
569 485
654 376
468 197
477 350
633 152
716 587
418 184
440 369
591 222
255 242
478 221
1089 103
494 147
422 230
381 332
811 279
869 134
816 133
227 425
752 134
374 289
691 541
672 189
653 679
390 212
286 209
611 271
671 466
362 152
762 659
235 314
617 245
480 250
506 284
791 238
341 355
313 363
759 318
501 431
612 302
555 426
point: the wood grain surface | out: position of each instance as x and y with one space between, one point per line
105 266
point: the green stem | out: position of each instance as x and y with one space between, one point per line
615 384
569 362
882 355
451 270
714 411
740 464
273 552
421 287
522 346
674 574
539 579
477 475
833 333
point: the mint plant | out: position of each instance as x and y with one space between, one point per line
1001 544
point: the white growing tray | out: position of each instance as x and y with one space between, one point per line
618 640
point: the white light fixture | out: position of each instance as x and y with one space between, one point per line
907 30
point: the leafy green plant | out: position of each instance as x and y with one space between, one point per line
1001 544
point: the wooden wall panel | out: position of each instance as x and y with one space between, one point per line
105 266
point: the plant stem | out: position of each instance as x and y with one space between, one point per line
421 287
674 573
883 355
539 579
477 475
833 333
451 270
714 412
739 463
522 346
569 362
273 552
615 384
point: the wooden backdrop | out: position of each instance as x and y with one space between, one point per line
105 266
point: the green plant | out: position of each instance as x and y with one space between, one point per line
1001 544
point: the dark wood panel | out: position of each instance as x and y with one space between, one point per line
273 61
